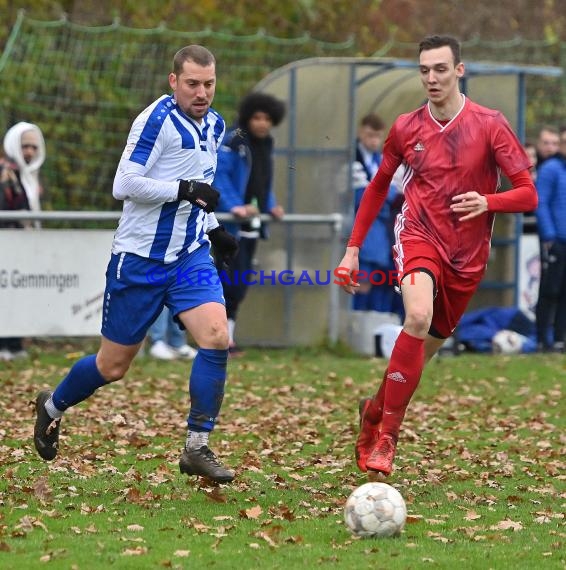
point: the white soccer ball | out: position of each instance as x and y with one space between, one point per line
507 342
375 510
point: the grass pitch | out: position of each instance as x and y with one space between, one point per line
480 463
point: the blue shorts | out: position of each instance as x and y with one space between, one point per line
137 288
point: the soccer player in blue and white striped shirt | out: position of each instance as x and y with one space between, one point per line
161 256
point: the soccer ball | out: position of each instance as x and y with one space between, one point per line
507 342
375 510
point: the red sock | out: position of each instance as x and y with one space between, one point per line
375 409
402 378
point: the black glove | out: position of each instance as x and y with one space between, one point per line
225 244
200 194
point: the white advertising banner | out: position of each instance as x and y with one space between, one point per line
529 274
52 281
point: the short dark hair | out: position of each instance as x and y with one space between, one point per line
199 54
372 121
434 42
549 129
263 102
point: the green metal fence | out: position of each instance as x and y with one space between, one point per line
84 85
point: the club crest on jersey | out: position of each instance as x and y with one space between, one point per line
419 147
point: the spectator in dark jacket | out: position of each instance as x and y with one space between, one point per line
244 178
551 221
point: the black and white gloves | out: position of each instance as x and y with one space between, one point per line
199 193
225 245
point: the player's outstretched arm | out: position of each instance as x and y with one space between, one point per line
347 270
372 200
522 197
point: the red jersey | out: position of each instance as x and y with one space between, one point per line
465 154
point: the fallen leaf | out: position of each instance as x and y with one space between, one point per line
42 490
507 524
472 516
251 513
135 527
181 553
138 551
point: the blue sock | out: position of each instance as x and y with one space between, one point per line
206 388
82 381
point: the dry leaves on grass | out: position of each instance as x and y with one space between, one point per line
295 434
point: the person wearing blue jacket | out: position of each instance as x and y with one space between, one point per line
377 292
244 178
551 221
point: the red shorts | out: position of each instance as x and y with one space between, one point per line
452 290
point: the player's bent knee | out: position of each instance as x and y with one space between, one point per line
112 372
418 322
219 342
117 374
215 337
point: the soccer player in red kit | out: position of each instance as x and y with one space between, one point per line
453 151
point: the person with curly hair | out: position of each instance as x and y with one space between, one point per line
244 178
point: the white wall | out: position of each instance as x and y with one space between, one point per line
52 281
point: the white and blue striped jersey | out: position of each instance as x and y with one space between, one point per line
164 146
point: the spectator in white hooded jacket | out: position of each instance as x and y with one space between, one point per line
20 189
